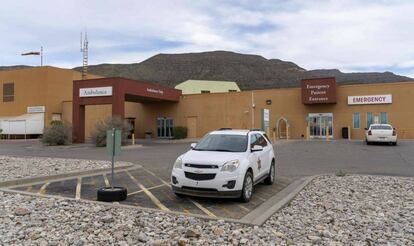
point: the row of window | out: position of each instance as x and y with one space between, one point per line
8 92
383 119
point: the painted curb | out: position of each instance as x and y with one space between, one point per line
18 182
264 211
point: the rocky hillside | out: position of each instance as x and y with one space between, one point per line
249 71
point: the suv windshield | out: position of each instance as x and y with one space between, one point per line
381 127
222 142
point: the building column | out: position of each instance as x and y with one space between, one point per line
118 105
78 122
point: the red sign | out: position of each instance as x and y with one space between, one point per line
318 91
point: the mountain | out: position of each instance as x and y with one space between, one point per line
249 71
2 68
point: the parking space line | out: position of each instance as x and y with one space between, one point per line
78 188
225 210
205 210
106 180
260 198
150 188
29 188
148 193
42 190
243 207
198 205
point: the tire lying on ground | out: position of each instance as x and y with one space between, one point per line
107 194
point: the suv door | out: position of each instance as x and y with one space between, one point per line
254 157
264 155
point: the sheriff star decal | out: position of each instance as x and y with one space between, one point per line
259 164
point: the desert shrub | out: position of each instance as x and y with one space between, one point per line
179 132
57 134
56 122
99 132
340 173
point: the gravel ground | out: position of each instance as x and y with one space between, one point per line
350 210
17 167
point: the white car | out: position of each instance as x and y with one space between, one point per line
383 133
225 163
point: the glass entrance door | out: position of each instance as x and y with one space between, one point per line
164 127
320 125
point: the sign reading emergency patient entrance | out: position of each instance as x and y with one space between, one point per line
95 92
317 91
372 99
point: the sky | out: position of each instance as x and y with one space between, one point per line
351 35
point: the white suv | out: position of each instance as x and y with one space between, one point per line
225 163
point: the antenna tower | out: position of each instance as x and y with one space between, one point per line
84 50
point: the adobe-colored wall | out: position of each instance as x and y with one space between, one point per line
233 110
30 89
39 86
95 114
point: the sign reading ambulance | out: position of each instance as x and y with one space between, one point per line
372 99
95 92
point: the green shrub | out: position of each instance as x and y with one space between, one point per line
56 122
57 134
340 173
99 132
179 132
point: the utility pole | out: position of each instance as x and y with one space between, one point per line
84 50
41 56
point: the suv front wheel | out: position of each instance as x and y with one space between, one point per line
247 190
270 179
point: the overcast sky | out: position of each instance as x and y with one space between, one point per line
352 35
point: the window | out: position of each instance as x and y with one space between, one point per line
261 141
257 139
56 117
356 120
369 119
253 140
222 142
8 92
383 118
203 91
379 127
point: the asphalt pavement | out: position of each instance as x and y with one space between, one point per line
294 158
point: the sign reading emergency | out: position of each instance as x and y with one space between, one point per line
372 99
95 92
318 91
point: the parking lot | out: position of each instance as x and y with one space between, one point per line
148 182
146 189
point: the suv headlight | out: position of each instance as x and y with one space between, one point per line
230 166
178 163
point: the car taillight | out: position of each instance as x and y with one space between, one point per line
394 132
369 132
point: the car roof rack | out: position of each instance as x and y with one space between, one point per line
224 128
256 129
